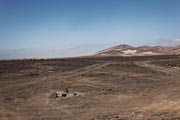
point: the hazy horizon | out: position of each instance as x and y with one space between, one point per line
64 28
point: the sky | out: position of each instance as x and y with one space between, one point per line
92 24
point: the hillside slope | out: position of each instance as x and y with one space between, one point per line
127 50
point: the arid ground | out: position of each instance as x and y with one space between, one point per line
91 88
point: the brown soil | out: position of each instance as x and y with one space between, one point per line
91 88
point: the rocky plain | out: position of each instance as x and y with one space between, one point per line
91 88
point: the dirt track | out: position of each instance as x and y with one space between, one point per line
91 88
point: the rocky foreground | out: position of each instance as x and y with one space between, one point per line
91 88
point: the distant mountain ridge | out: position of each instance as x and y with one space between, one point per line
127 50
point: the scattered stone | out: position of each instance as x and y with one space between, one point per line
160 113
142 94
54 95
133 113
35 73
136 89
64 94
66 90
108 117
110 89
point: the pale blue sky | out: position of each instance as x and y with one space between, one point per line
68 23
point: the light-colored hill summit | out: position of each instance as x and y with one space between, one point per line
127 50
